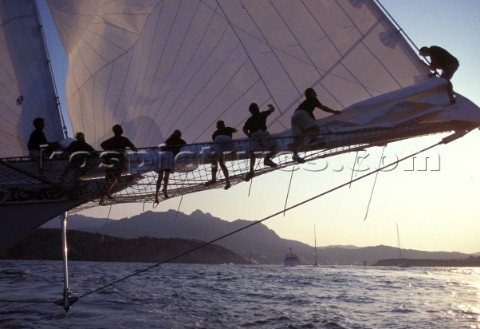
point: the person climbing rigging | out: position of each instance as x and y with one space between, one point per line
303 121
443 60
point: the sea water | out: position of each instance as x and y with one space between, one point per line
238 296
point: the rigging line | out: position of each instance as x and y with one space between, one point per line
255 67
167 37
353 168
374 183
181 198
40 178
325 73
178 208
254 169
250 186
365 34
227 84
106 221
158 63
234 101
183 84
400 30
26 301
162 87
109 64
257 221
288 191
274 53
396 24
220 69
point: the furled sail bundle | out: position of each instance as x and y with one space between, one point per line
155 66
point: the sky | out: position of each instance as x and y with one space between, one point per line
433 197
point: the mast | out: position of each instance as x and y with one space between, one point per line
399 247
315 250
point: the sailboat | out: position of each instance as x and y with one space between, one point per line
156 66
401 261
315 250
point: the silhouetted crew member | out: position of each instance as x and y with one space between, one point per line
443 60
223 143
79 152
38 140
172 147
119 144
303 121
256 129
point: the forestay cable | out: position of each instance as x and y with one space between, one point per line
288 191
373 186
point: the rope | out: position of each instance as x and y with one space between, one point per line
353 168
247 53
288 191
30 301
106 221
178 208
258 221
181 199
255 168
374 184
396 24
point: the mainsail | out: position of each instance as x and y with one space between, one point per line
154 66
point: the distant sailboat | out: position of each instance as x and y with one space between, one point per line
401 261
315 250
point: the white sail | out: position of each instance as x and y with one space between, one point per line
155 66
26 87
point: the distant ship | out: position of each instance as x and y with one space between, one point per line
291 259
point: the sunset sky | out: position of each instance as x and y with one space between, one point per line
433 197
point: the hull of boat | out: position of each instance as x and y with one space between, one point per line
18 220
32 193
291 263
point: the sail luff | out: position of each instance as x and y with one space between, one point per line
52 76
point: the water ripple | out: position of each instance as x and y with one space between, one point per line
218 296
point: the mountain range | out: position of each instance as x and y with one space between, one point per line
257 243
